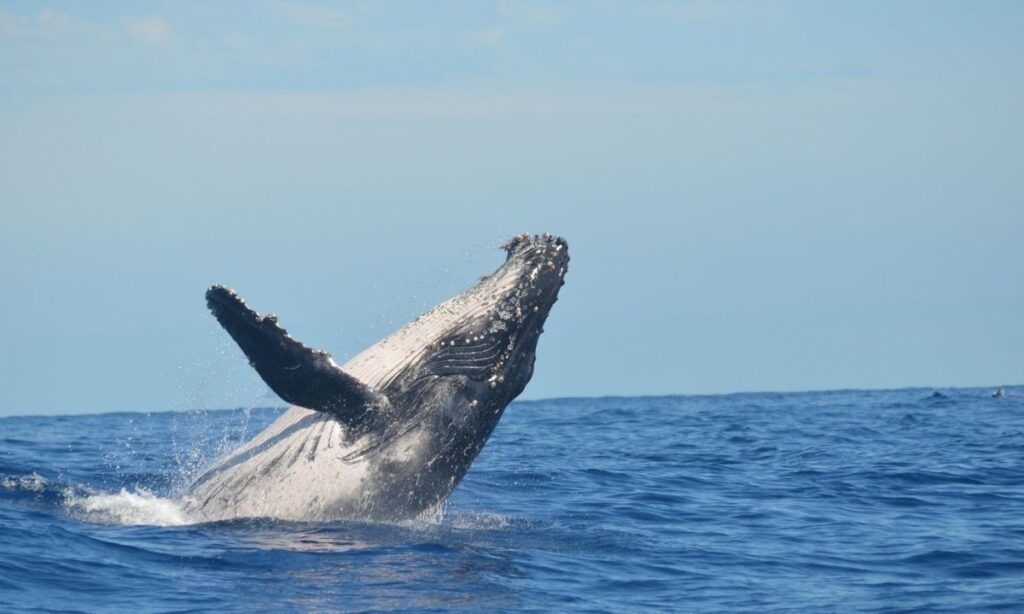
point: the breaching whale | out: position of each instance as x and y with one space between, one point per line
389 434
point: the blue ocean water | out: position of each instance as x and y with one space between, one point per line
853 501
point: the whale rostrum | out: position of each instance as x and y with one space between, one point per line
389 434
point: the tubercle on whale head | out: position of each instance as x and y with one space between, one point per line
546 244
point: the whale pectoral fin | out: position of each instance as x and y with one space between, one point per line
298 374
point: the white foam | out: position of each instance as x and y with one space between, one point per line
126 508
481 521
32 482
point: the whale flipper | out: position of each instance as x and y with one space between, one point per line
300 375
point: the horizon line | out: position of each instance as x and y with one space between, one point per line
540 400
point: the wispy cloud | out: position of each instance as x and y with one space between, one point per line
703 11
406 104
148 30
533 12
323 16
489 37
52 25
49 24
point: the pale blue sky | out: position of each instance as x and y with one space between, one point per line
757 195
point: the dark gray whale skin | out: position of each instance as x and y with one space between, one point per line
391 433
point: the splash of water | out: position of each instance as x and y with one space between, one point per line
32 482
125 508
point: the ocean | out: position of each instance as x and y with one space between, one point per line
843 501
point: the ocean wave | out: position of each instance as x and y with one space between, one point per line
798 502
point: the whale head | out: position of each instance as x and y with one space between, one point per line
492 342
478 349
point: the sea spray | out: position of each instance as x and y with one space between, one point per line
140 507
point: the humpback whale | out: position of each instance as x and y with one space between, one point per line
389 434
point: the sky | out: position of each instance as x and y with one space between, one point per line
757 195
